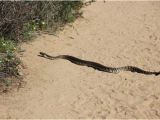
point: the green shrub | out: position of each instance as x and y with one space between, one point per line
8 60
69 10
20 18
6 46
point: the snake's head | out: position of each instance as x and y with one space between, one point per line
42 54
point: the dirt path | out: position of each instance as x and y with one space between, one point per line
112 33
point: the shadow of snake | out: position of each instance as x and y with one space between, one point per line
98 66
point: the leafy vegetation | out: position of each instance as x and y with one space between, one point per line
8 63
69 12
19 19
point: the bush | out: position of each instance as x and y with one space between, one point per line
8 63
8 59
18 18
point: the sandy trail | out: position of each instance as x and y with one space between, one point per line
112 33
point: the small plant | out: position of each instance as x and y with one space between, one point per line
32 27
70 10
6 46
8 62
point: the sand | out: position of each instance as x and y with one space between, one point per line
112 33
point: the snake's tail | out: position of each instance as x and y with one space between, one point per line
158 73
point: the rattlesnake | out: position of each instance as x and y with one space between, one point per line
98 66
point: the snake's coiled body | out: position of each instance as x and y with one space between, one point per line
98 66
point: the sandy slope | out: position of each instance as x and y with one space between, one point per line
112 33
